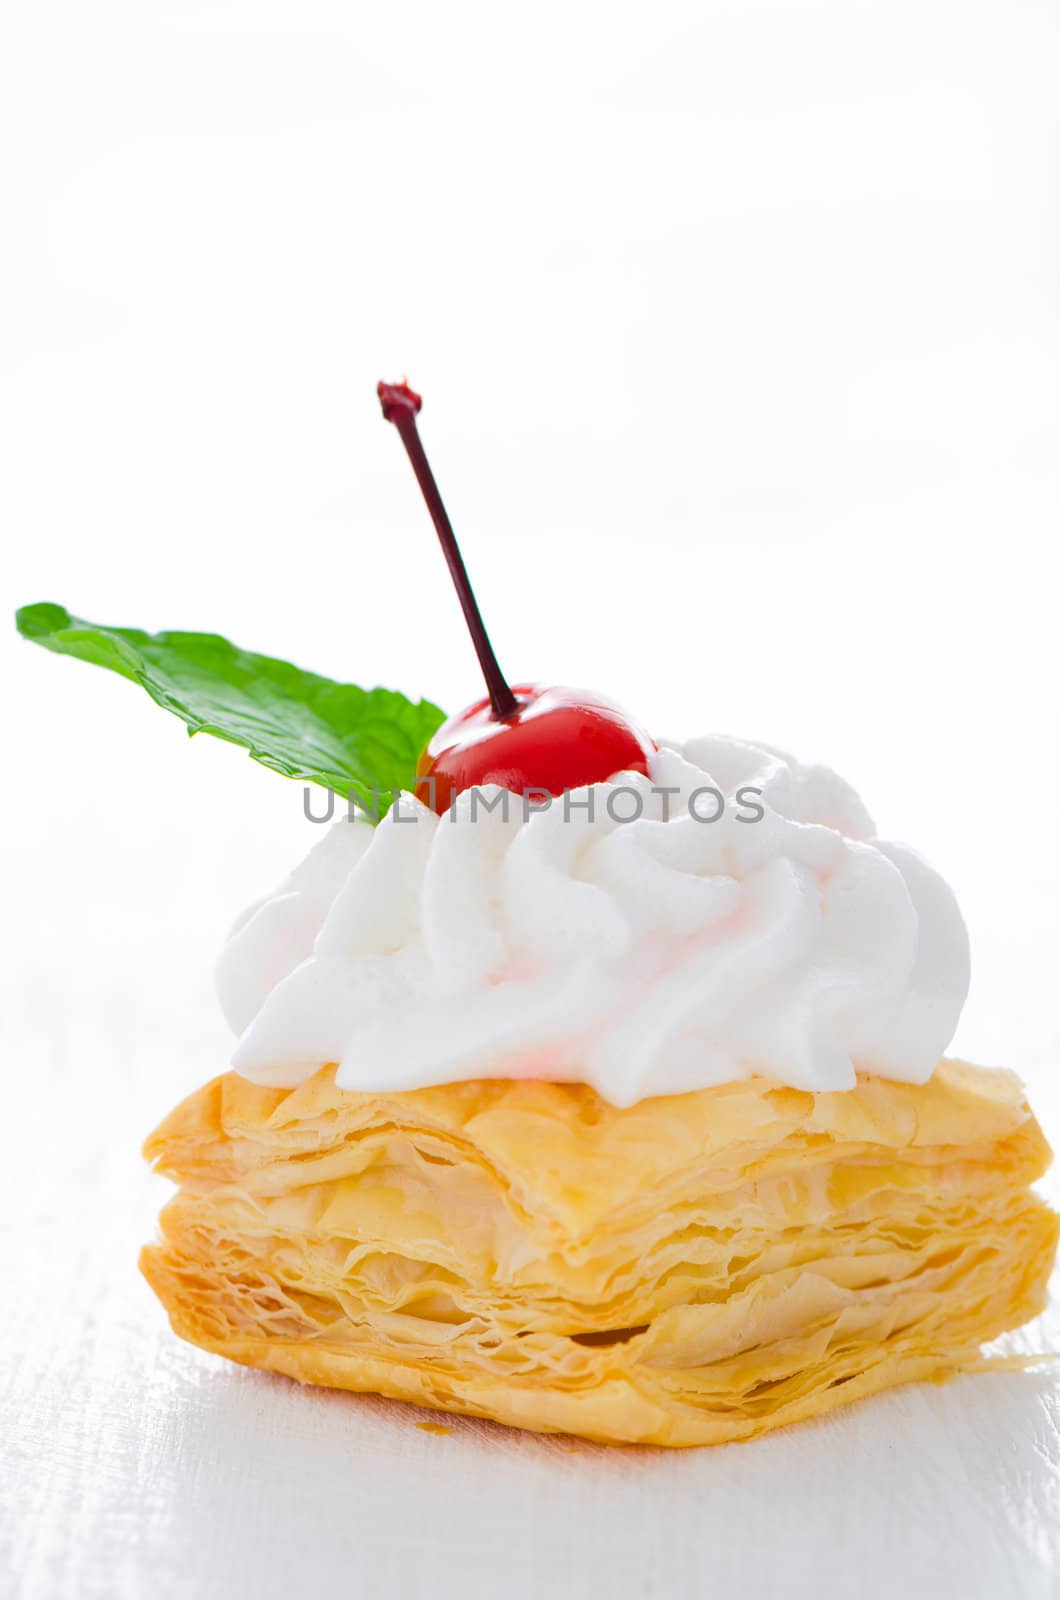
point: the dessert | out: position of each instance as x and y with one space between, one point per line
596 1085
695 1268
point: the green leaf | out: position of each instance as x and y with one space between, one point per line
362 743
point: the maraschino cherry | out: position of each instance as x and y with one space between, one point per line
530 739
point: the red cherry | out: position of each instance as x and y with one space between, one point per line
556 739
522 739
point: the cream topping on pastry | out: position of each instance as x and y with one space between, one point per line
650 956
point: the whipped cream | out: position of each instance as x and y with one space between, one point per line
643 957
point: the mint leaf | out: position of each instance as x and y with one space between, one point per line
362 743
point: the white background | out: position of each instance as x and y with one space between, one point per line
738 326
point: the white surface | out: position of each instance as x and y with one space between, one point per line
738 330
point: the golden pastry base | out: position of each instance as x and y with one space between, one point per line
694 1269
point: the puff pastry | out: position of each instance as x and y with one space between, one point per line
689 1270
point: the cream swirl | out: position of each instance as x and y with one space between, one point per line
644 957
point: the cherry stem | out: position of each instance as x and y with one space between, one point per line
400 405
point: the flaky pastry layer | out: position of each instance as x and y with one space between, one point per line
689 1270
